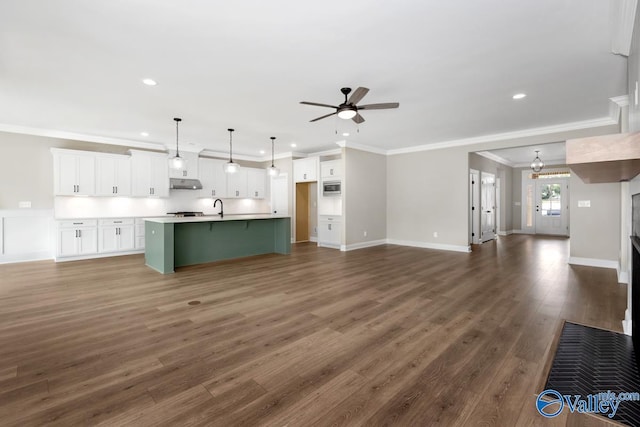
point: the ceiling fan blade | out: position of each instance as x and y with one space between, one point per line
317 104
322 117
358 118
358 95
379 106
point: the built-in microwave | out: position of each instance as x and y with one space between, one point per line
331 188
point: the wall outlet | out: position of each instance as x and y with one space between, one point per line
315 229
364 233
435 234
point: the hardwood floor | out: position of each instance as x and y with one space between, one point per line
388 335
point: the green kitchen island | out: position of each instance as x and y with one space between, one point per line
176 242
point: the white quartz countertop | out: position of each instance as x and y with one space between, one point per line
211 218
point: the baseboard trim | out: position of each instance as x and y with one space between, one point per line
428 245
626 323
363 245
93 256
35 256
594 262
313 239
328 245
505 233
623 276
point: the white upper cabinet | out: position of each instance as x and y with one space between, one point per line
305 170
331 169
113 175
150 172
73 173
191 171
256 183
237 184
213 179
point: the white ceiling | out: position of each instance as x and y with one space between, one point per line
77 66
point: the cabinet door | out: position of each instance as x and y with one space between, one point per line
305 170
88 241
213 178
86 175
126 238
141 175
67 171
256 183
122 176
108 239
237 184
67 242
330 169
105 176
159 176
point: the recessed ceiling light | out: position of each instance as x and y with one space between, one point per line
149 82
345 133
262 151
519 95
144 133
293 144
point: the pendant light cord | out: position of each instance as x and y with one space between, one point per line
273 140
177 150
230 145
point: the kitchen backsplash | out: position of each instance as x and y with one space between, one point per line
179 200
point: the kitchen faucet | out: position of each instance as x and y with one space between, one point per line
221 206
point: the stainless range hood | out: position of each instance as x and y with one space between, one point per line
185 184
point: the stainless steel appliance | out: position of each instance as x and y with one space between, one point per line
331 188
184 214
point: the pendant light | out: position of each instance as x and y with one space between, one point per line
177 162
272 170
537 164
230 166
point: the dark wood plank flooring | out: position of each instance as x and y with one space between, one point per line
388 335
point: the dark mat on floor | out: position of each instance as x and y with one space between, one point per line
590 361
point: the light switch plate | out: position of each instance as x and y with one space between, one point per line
25 204
584 203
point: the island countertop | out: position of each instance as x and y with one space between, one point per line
211 218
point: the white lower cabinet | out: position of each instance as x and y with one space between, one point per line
330 231
116 235
77 238
139 239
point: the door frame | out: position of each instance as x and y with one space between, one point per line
494 207
531 209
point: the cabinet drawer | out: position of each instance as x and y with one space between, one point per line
78 223
116 221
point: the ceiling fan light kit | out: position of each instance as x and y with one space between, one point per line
349 108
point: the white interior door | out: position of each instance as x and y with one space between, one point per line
474 206
280 195
552 206
487 207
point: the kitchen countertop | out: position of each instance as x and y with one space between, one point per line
212 218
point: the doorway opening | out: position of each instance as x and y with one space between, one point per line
306 212
545 202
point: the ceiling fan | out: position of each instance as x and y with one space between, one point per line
348 109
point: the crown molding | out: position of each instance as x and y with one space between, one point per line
544 130
332 152
74 136
362 147
623 14
225 155
495 158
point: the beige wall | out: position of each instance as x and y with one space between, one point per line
428 192
29 176
364 196
595 231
